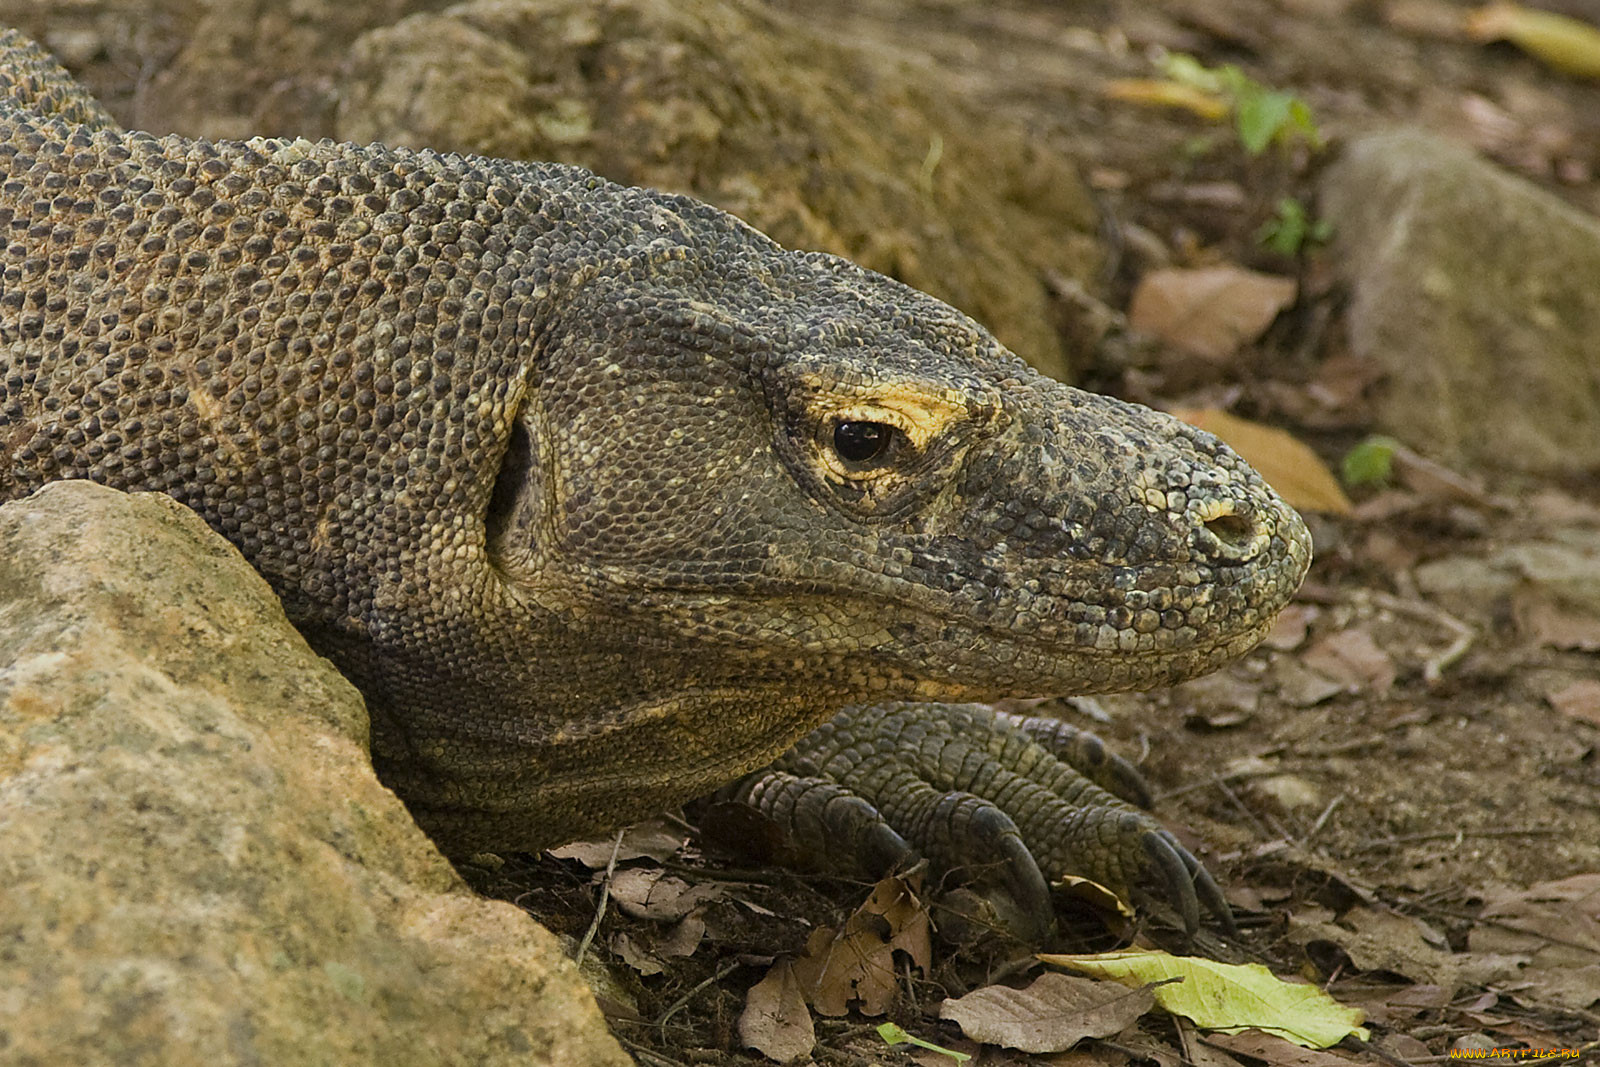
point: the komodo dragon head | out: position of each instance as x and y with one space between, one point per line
755 485
784 459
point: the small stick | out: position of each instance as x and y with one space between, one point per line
1322 819
605 897
673 1009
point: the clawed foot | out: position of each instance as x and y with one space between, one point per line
970 788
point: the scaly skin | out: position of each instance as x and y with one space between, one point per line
552 467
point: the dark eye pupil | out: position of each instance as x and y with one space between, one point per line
857 442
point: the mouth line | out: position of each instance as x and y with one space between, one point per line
1059 648
900 603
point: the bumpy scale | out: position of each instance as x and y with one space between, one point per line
601 497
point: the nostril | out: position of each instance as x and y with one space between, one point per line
1235 531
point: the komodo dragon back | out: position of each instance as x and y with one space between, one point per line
599 495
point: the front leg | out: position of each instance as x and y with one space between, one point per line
967 786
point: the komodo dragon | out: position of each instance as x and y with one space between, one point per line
603 499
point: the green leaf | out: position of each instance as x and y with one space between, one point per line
1293 229
1370 463
1187 70
1227 996
894 1035
1301 122
1261 117
1285 234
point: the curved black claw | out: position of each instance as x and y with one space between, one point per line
1023 879
1188 884
978 795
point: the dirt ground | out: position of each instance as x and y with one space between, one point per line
1379 785
1421 769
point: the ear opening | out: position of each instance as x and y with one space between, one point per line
514 503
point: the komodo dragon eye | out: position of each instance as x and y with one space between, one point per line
862 442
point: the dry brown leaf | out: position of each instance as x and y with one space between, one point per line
1556 625
1196 1051
647 893
1422 996
635 955
1294 623
684 938
1389 552
1580 700
1352 658
857 961
1112 909
1212 721
1301 686
1051 1015
1376 939
1386 504
1342 380
1220 693
1556 508
1290 792
844 965
1391 1007
1208 311
647 839
775 1020
1274 1050
1425 18
1288 465
1150 1047
1555 927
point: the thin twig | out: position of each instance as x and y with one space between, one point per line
648 1055
1322 820
1266 826
605 897
1231 777
1373 1050
1451 835
1434 666
677 1005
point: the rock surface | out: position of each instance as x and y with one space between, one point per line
1479 294
822 146
199 866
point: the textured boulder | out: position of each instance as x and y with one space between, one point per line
199 866
1480 295
822 146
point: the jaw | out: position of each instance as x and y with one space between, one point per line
853 647
1035 670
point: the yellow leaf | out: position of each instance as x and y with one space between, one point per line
1566 44
1227 996
1097 896
1158 93
1287 464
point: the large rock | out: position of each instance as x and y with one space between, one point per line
197 865
1480 294
820 145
